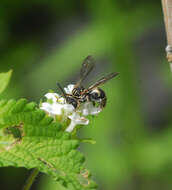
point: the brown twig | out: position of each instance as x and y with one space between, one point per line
167 10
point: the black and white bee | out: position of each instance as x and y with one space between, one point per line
93 93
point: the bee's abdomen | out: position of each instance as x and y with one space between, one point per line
96 94
99 96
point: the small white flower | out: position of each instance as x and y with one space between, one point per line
55 97
49 108
88 109
69 88
59 107
76 119
52 96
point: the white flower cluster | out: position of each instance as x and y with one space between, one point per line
57 107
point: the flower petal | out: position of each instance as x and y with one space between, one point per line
52 109
69 88
71 127
89 109
68 109
47 108
52 96
76 119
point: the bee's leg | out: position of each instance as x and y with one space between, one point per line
78 104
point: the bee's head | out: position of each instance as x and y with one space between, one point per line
72 101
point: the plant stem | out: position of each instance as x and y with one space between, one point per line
31 179
167 11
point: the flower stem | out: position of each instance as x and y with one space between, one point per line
31 179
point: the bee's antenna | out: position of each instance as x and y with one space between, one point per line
61 89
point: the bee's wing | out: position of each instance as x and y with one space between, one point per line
86 68
102 80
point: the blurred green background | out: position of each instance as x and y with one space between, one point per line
46 41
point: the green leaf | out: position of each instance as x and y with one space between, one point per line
4 80
41 144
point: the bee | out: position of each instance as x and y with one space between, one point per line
93 93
